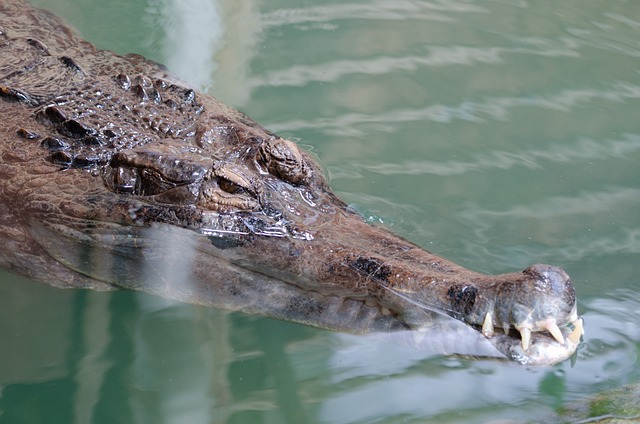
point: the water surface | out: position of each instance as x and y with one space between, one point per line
495 133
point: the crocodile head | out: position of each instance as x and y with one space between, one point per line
116 175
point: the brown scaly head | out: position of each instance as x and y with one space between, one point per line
117 175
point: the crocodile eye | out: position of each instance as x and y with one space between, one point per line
137 181
151 182
283 159
150 174
121 180
230 187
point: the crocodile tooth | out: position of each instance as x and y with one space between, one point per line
555 331
577 332
487 326
526 338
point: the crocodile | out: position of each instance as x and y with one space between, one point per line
114 174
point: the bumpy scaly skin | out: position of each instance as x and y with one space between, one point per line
115 175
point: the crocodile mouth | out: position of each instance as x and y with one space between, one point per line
451 337
548 325
548 345
544 348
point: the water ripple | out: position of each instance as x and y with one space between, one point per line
581 150
376 10
300 75
611 36
492 109
625 241
588 202
552 215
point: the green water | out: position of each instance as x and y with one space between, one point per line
495 133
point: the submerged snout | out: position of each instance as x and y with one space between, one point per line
553 296
542 299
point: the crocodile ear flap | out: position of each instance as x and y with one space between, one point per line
283 159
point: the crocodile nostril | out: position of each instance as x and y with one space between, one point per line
552 279
556 278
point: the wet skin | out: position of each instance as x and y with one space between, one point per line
116 175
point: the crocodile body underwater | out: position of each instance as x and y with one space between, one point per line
115 175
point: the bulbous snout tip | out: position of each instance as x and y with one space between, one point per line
556 297
553 281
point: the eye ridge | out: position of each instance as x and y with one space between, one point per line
283 159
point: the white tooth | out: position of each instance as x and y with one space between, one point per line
574 315
577 332
487 326
555 331
526 338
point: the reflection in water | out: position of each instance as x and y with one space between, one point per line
613 329
160 361
93 363
193 32
205 41
240 44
